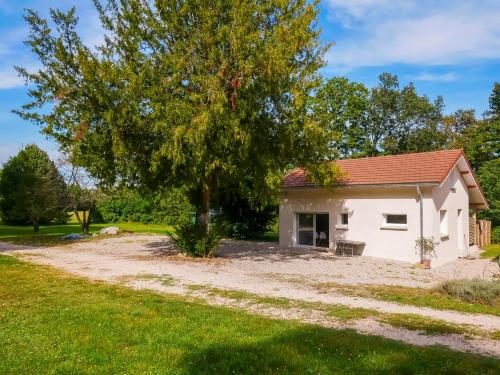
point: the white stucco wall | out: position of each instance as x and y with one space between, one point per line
366 208
451 196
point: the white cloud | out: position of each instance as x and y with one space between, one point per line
430 35
445 77
9 79
350 11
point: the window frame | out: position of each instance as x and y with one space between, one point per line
340 224
396 226
444 224
297 223
346 216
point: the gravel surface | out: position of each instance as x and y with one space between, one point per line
265 269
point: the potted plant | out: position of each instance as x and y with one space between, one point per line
426 246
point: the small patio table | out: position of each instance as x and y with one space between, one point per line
344 247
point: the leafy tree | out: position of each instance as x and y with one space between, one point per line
494 110
342 106
481 142
195 94
386 119
82 192
480 138
400 120
488 176
32 189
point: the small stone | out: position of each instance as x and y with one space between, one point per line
110 230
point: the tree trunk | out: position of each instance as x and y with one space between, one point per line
206 193
36 227
84 224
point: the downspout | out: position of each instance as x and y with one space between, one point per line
421 202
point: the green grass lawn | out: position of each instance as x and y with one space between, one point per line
51 234
491 251
52 323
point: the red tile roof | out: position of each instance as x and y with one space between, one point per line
424 167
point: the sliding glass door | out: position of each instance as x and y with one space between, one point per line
312 229
305 235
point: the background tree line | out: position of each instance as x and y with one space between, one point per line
32 181
389 119
36 191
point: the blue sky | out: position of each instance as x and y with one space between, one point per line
447 47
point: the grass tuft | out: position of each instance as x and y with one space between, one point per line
491 251
435 298
473 291
415 322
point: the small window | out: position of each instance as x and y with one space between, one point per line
443 223
395 219
344 219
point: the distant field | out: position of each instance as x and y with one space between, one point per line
51 234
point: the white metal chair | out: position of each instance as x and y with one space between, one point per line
322 239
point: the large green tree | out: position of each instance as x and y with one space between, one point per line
488 176
385 119
32 189
191 93
342 106
400 120
494 110
480 138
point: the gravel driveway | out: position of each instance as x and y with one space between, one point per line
238 262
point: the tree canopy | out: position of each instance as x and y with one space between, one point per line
203 95
384 119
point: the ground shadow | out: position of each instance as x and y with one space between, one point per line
259 251
165 247
268 252
318 350
7 246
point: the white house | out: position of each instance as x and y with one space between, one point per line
383 205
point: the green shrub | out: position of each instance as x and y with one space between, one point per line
189 240
473 291
495 235
172 207
124 205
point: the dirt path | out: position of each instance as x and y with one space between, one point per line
265 270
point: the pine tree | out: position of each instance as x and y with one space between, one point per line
32 189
